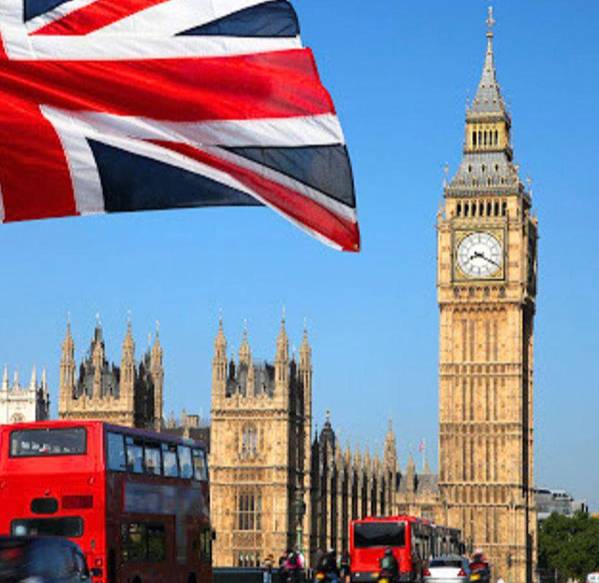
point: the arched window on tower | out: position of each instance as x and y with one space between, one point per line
17 418
249 510
474 138
480 138
249 441
496 137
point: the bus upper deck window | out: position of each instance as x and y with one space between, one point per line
152 458
169 460
116 452
48 442
134 455
185 464
199 464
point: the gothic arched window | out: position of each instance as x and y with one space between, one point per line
17 418
249 441
249 510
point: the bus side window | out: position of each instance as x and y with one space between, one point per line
185 464
169 459
156 543
199 464
116 452
134 541
152 458
135 455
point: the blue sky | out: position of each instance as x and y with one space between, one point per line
400 73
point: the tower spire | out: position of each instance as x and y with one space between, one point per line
488 99
487 167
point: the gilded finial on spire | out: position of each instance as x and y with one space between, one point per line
490 20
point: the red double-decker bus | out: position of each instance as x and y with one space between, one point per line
136 502
413 540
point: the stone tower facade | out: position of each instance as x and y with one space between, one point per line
24 402
130 394
260 450
487 240
273 486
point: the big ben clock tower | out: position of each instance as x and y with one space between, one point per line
486 279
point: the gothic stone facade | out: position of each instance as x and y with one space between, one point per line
127 395
487 239
24 403
272 486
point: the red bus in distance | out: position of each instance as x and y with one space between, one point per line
413 541
136 502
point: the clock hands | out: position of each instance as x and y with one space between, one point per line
483 256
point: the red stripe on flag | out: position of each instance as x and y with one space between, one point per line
294 205
34 176
3 54
95 16
278 84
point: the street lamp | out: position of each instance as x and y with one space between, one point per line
300 511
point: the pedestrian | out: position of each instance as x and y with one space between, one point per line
344 566
268 564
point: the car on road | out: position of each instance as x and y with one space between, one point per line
41 559
592 578
447 569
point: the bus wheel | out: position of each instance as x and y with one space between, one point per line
191 578
137 580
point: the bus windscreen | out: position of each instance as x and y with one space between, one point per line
47 442
379 534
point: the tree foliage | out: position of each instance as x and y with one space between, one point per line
569 544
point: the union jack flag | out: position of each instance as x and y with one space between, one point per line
125 105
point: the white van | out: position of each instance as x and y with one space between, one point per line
593 578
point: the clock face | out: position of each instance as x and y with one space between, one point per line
480 255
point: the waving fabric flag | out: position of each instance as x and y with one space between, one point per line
127 105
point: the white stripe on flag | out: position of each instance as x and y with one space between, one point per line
19 46
317 130
85 178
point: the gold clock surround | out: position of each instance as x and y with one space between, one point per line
459 235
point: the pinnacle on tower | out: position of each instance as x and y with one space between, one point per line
220 342
283 341
305 348
157 347
128 342
5 378
33 381
245 354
